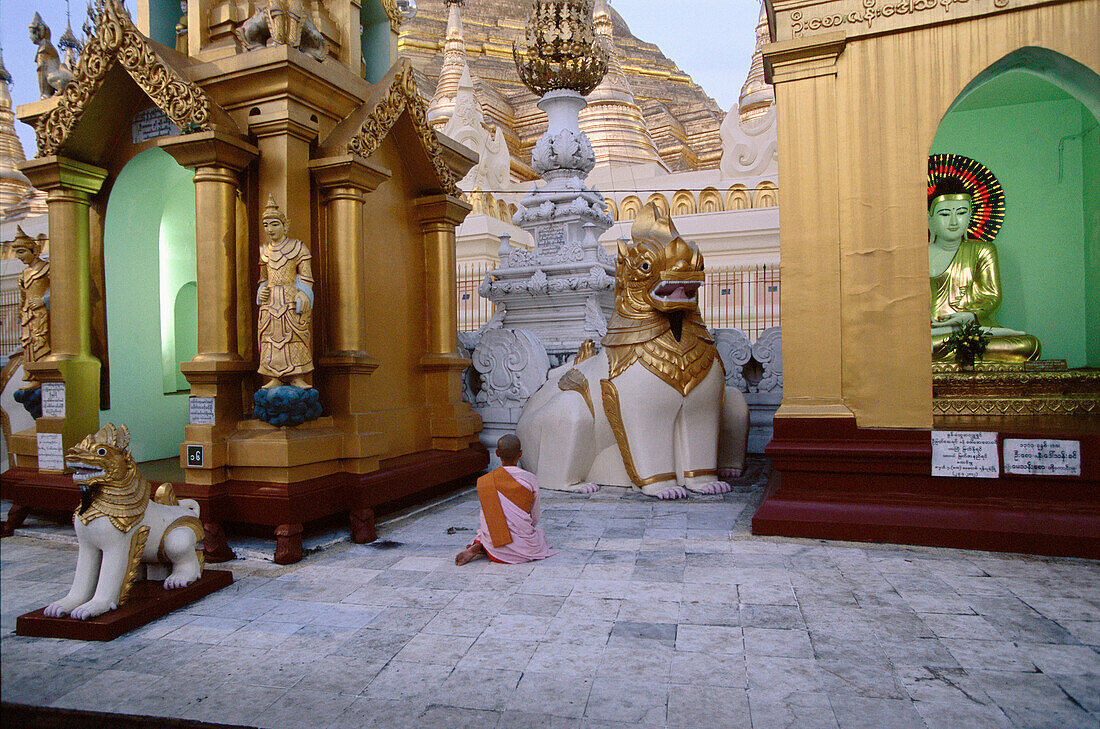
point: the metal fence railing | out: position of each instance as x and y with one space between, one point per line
742 297
9 321
473 311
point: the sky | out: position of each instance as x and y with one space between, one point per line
711 40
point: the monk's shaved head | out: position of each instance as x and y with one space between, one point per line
508 449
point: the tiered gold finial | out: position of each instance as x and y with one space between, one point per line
561 52
757 94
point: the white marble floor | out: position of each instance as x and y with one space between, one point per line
653 615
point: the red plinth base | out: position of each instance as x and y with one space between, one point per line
148 601
281 507
833 480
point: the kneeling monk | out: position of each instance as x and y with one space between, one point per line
509 498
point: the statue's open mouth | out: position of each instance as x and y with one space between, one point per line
82 472
676 290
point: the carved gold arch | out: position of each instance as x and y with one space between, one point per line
683 203
710 201
116 40
630 207
738 198
403 96
612 208
660 201
766 196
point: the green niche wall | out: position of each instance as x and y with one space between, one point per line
1030 133
375 40
163 16
148 229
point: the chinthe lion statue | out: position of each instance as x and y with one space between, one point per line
651 410
118 527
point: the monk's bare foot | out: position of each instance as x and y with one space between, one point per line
271 382
711 487
472 552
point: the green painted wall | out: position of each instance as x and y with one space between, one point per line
163 16
1091 205
1033 151
375 40
177 268
151 202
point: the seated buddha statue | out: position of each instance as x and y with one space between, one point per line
965 280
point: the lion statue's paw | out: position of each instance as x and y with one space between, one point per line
175 581
712 487
56 609
587 488
670 492
728 473
92 608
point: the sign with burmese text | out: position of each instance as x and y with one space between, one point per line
151 123
200 410
1043 457
51 455
965 454
53 399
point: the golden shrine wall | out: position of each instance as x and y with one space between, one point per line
858 108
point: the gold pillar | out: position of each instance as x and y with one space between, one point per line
804 74
217 369
454 425
344 182
69 187
283 139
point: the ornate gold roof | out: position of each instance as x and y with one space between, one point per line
682 119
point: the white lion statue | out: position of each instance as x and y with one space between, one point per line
651 410
118 527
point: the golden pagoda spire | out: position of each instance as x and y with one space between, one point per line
13 183
612 119
757 94
442 105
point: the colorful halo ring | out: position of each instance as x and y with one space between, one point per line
988 212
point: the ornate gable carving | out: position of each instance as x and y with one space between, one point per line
401 96
116 40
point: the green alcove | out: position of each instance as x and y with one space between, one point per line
149 261
1030 119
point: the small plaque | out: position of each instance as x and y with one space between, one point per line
151 123
201 410
51 454
195 456
965 454
1042 457
53 400
551 238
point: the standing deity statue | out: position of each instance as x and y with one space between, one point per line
34 302
52 76
285 297
963 272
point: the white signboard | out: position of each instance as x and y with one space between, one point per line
151 123
1041 457
201 410
53 400
51 456
965 453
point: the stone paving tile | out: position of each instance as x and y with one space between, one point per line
652 615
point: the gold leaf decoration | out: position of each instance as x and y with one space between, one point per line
133 563
115 40
402 96
574 380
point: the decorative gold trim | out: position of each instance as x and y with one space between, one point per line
402 95
574 380
394 14
166 495
701 472
1017 406
184 521
658 477
115 39
587 350
615 419
137 547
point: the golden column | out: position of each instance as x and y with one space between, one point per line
454 424
344 182
217 369
69 187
